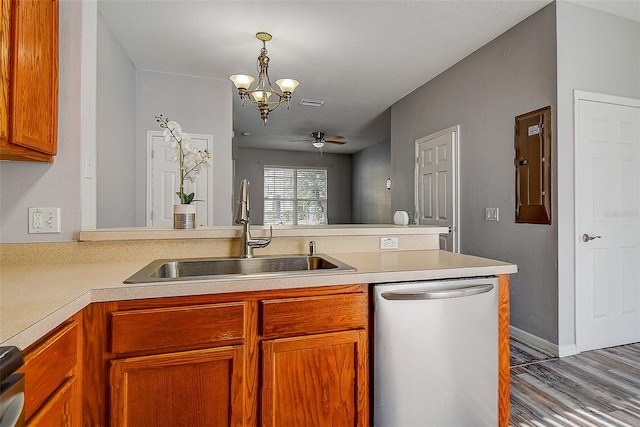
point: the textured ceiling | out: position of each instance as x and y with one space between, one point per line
358 56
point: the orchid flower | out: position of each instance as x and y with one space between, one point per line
189 161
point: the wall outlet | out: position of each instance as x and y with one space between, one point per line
491 214
388 243
44 220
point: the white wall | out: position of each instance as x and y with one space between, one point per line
207 109
29 184
200 105
371 199
511 75
597 52
116 132
127 101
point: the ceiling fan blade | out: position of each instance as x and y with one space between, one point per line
336 139
301 140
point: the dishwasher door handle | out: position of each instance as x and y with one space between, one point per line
439 294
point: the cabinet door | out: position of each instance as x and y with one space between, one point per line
191 388
5 20
60 410
50 365
34 75
316 380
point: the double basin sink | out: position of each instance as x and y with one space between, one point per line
163 270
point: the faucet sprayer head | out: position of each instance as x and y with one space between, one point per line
242 213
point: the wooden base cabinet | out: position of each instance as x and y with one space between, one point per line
52 372
291 357
316 380
192 388
161 374
315 364
60 409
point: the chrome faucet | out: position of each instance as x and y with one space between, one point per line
242 218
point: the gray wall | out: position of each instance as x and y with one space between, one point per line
29 184
250 162
511 75
115 132
597 52
200 105
371 199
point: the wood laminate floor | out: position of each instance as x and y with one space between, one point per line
594 388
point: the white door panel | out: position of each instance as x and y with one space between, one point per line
436 190
163 181
607 206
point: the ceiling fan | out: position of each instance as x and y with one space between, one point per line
318 139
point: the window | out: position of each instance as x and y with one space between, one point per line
295 196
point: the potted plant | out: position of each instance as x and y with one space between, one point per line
189 164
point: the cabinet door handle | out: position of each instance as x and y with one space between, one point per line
440 294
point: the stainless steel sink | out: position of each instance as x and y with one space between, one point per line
215 268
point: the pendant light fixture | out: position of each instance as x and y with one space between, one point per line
263 96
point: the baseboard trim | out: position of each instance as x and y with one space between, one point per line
535 341
567 350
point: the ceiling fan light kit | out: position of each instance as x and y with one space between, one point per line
318 140
261 94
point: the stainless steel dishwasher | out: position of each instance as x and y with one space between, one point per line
436 353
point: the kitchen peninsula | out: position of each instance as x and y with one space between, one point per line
44 285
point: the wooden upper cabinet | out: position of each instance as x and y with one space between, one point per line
30 111
5 20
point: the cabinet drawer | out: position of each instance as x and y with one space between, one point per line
310 315
48 365
173 327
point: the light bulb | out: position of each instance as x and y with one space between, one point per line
287 85
258 95
241 81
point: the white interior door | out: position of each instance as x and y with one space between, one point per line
163 181
607 221
436 184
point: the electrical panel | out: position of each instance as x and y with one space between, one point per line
533 167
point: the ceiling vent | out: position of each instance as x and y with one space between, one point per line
311 102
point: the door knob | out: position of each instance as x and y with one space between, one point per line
586 237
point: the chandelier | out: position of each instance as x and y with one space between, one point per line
263 96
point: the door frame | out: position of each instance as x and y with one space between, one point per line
455 162
578 96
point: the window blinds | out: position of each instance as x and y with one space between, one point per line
295 196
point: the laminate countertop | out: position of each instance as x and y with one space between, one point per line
34 299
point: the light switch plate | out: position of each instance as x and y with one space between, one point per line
491 214
44 220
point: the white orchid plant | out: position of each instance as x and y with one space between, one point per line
189 161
